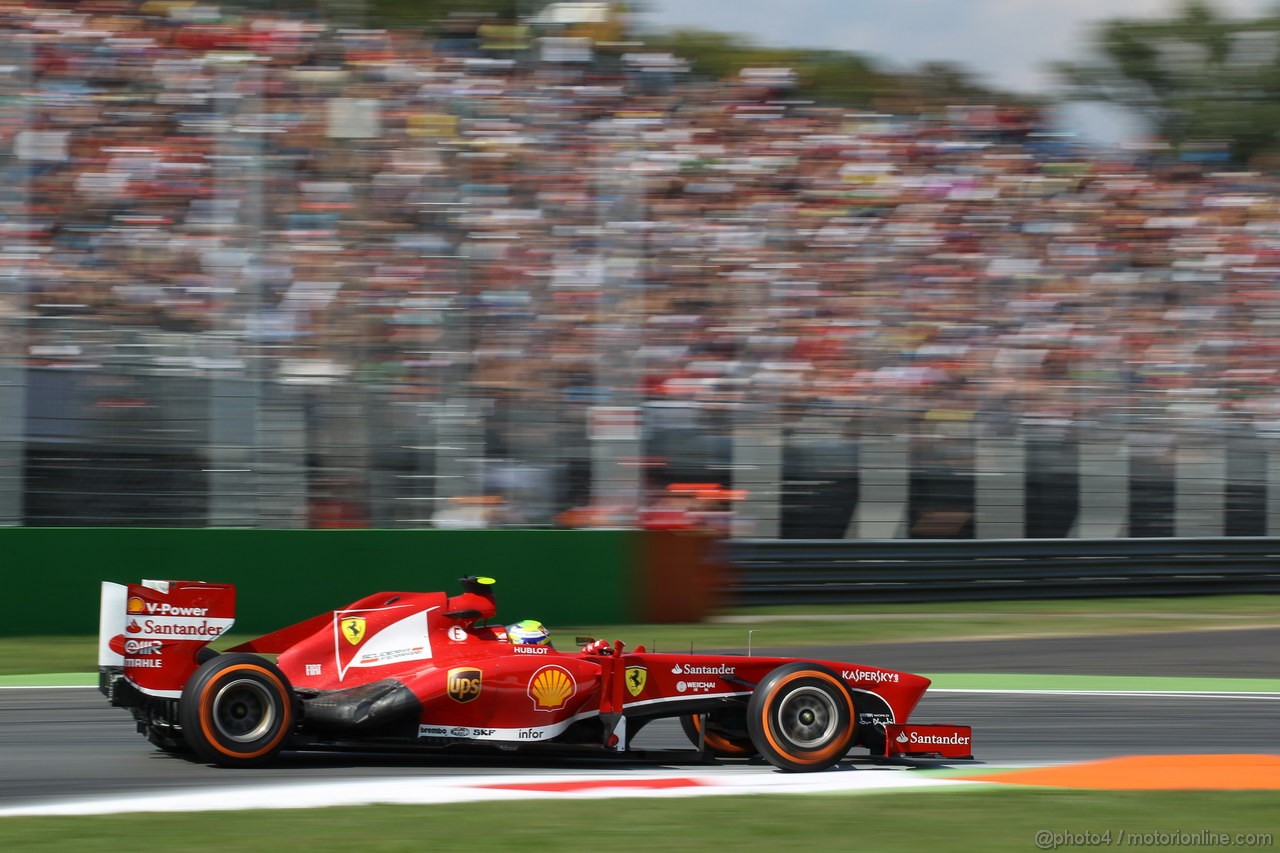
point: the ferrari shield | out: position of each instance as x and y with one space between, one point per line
353 629
636 677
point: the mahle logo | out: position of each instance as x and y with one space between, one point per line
463 684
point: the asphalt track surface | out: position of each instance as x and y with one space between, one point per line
1238 653
57 743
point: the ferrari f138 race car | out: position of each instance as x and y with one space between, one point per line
423 670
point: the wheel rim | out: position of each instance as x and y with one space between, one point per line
808 717
243 710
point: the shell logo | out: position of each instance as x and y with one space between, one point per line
551 687
135 604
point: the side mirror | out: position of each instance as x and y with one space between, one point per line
464 614
582 641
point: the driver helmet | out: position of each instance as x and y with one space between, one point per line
528 632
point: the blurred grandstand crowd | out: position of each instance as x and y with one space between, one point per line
551 216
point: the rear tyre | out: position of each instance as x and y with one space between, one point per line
237 710
723 739
801 717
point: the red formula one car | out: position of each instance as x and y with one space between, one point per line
413 670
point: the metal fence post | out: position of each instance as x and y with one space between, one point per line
1104 487
1000 492
1200 486
884 482
757 470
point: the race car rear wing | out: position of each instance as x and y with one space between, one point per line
149 634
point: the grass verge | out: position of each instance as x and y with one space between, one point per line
987 820
776 627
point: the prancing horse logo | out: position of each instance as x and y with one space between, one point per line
637 676
353 629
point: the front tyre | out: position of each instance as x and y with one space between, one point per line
237 710
722 738
801 717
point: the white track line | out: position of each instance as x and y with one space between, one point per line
426 790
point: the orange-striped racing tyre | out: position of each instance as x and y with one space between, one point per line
724 737
801 717
237 710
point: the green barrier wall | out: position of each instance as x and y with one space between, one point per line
565 578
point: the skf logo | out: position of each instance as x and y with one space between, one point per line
463 684
551 687
353 629
136 605
637 677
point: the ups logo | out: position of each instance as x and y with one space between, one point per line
463 684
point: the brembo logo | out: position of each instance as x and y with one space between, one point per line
463 684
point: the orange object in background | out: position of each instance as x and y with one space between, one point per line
681 576
1154 773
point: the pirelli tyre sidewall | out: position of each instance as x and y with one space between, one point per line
801 717
720 739
237 710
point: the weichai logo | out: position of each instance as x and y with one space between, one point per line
463 683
